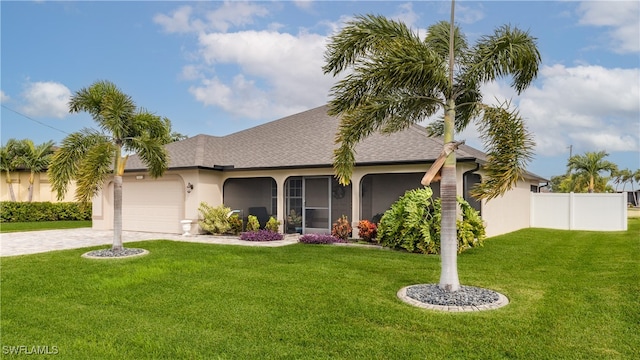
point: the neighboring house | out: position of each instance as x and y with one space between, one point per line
42 190
286 165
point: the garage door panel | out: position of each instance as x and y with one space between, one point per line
153 206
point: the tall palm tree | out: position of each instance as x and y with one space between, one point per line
90 156
9 162
397 78
590 165
36 159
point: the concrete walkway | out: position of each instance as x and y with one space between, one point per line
33 242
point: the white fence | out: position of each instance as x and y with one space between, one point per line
600 212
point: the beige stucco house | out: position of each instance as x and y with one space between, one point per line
42 190
285 166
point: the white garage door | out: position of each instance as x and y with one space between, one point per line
152 205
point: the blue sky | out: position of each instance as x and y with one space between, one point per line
219 67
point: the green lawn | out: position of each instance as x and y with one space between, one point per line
42 225
574 295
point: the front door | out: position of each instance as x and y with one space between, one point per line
316 204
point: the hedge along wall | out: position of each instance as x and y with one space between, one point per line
11 211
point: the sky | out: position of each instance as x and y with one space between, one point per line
220 67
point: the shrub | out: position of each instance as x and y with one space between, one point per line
341 228
261 235
413 223
367 230
252 223
214 220
320 239
11 211
272 224
236 224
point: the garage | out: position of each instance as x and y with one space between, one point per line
152 205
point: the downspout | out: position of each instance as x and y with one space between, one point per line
464 183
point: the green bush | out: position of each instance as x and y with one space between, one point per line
413 223
236 224
214 220
252 223
11 211
272 225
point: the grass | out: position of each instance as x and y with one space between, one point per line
574 295
42 225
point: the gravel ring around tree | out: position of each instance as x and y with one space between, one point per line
119 254
468 298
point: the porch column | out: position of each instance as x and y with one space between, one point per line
280 180
356 183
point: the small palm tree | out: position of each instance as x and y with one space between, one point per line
589 166
9 162
91 156
36 159
398 78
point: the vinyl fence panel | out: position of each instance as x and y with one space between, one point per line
599 212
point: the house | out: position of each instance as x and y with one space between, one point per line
285 166
42 189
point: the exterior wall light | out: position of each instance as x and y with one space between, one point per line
189 187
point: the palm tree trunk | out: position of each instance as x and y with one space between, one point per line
448 238
117 213
591 184
10 185
31 179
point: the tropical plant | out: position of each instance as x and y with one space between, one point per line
272 224
588 167
235 224
367 230
214 220
413 223
9 163
341 228
252 223
293 218
91 157
397 78
35 158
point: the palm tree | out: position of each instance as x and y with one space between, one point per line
36 159
91 156
635 177
590 165
397 78
9 162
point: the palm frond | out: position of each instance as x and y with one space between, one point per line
93 170
152 153
66 161
437 40
364 35
509 51
509 148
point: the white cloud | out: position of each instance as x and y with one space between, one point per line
590 107
277 72
469 15
4 97
229 14
623 17
406 15
46 99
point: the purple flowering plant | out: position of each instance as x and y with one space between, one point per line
261 235
320 239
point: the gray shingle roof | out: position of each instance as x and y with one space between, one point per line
302 140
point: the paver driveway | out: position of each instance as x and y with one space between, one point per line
32 242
